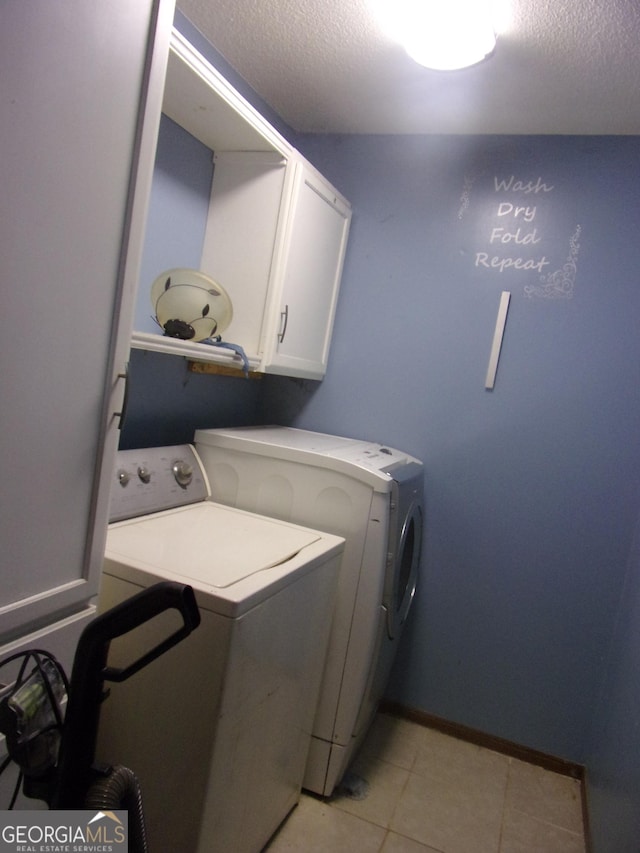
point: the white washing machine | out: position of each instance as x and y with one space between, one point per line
218 728
372 496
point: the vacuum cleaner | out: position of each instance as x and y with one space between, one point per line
50 723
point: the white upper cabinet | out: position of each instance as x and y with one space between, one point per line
275 233
309 269
246 212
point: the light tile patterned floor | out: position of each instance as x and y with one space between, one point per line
418 790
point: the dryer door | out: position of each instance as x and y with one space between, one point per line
405 546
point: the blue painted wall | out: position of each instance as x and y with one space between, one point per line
613 765
533 489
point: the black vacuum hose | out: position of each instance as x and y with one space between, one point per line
120 789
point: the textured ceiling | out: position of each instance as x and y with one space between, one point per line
560 66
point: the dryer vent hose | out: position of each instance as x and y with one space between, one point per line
121 790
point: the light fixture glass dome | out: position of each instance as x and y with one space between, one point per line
441 34
190 305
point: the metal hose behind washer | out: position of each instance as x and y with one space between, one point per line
120 789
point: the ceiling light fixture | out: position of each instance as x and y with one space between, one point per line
441 34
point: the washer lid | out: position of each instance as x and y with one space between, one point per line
208 544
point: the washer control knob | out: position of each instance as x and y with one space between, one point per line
123 477
183 472
144 473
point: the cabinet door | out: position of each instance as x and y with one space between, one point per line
244 212
311 261
75 84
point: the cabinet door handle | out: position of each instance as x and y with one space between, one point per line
284 319
125 397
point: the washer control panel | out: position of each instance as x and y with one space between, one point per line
154 479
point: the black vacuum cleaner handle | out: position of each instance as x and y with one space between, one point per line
90 671
135 611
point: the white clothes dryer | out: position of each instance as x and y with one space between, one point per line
372 496
218 728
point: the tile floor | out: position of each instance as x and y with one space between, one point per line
417 790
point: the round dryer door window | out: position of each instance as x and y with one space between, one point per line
406 545
406 575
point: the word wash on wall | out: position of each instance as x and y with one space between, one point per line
516 224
